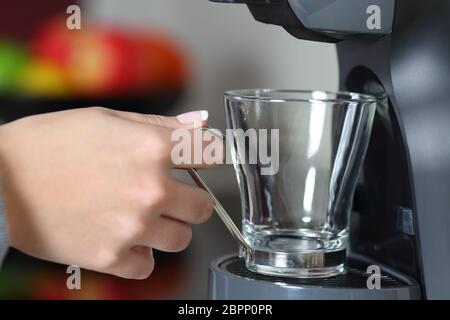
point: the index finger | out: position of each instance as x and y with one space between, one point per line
190 120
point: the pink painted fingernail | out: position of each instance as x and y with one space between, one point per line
192 117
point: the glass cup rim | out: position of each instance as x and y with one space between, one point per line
302 96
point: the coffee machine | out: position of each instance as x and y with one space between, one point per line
399 51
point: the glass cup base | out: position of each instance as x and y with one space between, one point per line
312 264
303 253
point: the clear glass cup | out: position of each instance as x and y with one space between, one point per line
296 213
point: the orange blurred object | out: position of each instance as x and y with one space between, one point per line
108 62
103 63
162 64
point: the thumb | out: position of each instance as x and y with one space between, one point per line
192 119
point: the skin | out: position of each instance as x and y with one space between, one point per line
93 187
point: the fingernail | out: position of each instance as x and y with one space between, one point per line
192 117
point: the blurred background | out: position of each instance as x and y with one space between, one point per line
153 56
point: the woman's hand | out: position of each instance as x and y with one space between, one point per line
93 187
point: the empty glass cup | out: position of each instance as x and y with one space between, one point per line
297 191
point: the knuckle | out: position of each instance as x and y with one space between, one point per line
154 119
106 260
156 196
97 110
130 226
92 113
150 191
134 228
159 147
206 209
180 240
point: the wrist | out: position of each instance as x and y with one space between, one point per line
4 234
5 211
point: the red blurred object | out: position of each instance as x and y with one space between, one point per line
166 282
106 61
48 286
55 42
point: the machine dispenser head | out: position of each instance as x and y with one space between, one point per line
325 20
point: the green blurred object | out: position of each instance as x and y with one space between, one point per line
12 59
13 284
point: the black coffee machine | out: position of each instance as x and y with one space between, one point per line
398 50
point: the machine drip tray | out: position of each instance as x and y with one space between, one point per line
230 279
352 278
